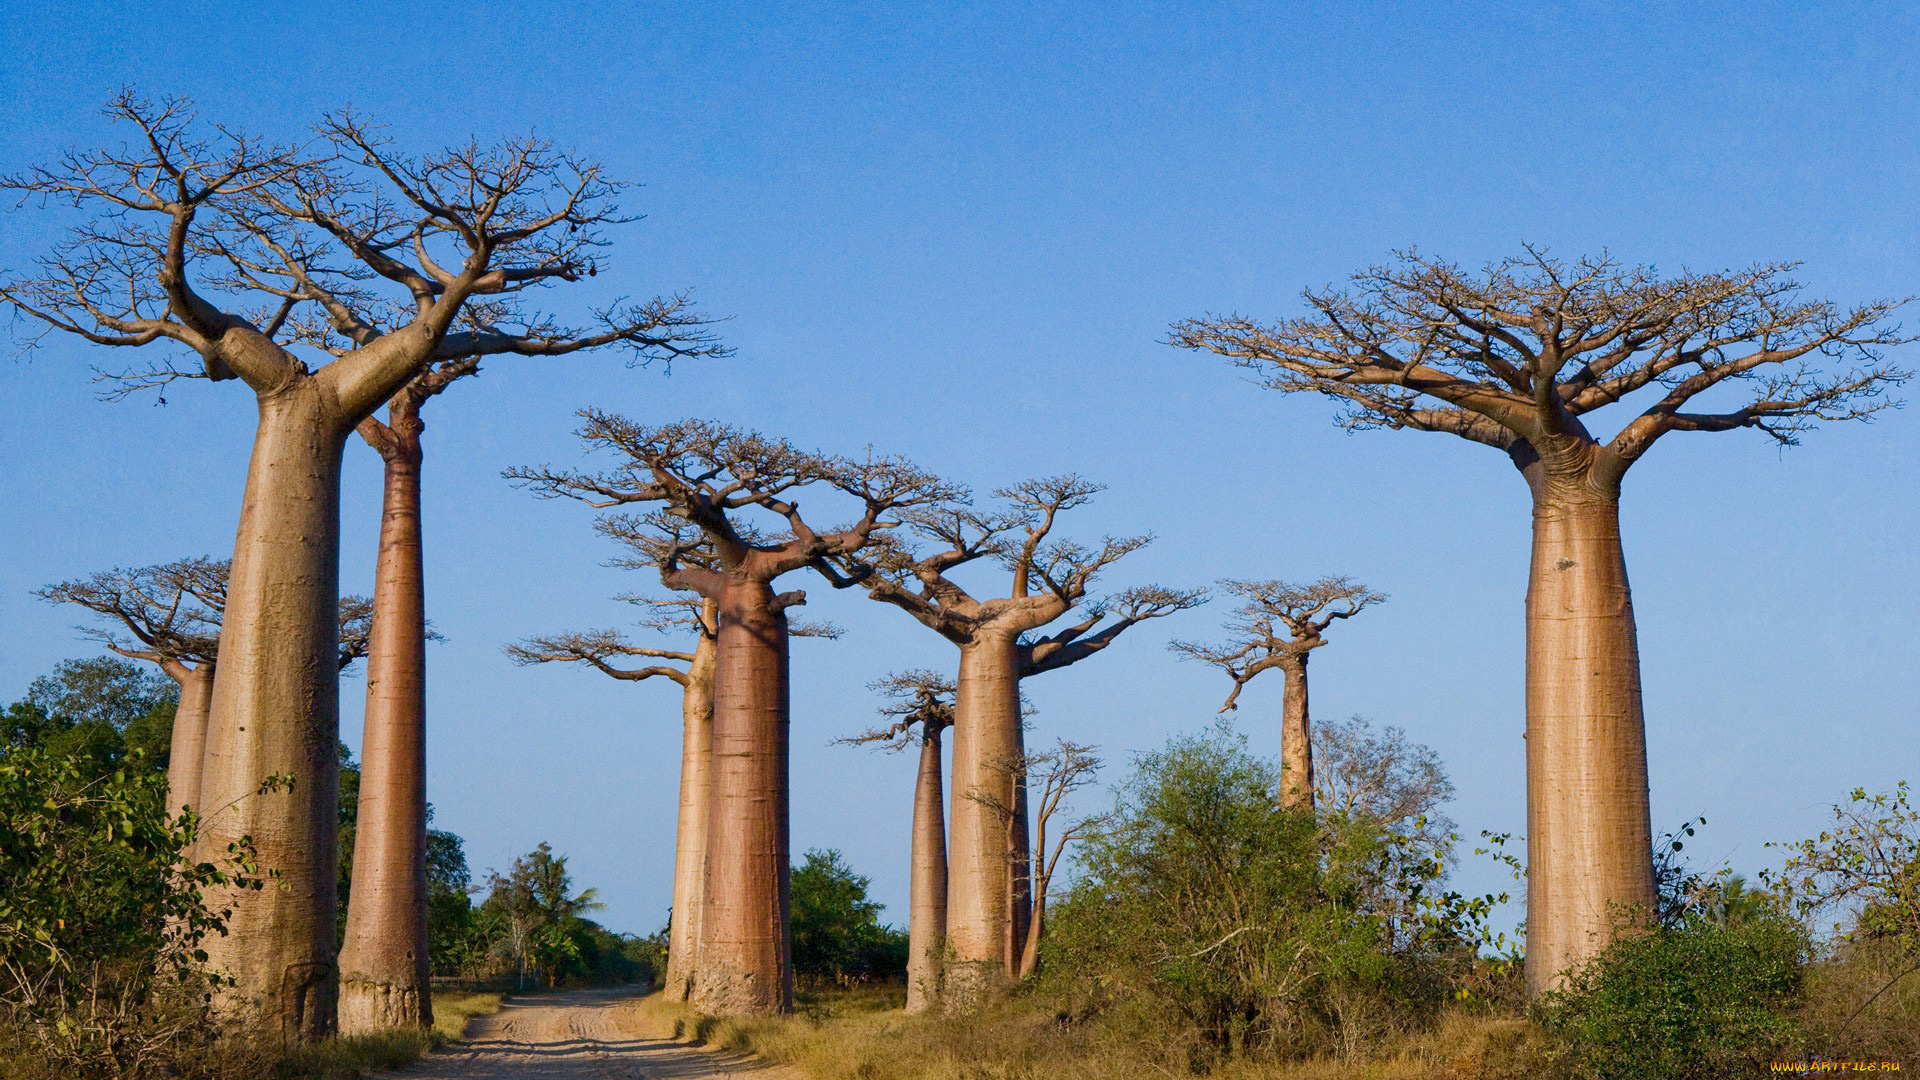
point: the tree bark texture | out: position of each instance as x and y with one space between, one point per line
987 745
744 963
384 973
696 793
927 899
189 744
275 713
1589 835
1296 737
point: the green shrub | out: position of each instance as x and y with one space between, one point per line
1212 923
1705 997
100 923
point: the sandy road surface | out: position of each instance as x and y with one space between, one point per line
578 1035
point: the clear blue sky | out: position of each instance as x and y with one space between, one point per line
958 233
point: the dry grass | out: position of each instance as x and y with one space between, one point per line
357 1057
863 1036
453 1010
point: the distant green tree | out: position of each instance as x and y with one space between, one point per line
837 933
541 915
102 708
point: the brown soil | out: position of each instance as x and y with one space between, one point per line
594 1034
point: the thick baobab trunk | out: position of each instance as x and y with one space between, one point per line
189 744
1589 837
927 898
744 963
275 716
987 747
696 792
383 960
1296 738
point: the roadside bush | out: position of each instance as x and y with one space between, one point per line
1704 997
100 927
1209 923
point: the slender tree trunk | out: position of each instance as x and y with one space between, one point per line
1029 959
189 745
1019 860
927 900
1030 948
987 741
1296 738
275 714
1589 837
384 974
745 965
696 792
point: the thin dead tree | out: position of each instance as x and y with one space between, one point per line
921 706
255 258
989 897
1060 772
1279 626
1517 357
171 615
715 478
650 539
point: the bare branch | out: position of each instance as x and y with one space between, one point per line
1277 625
1517 354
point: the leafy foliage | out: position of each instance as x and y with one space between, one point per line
100 922
1703 998
1206 911
533 917
837 933
103 708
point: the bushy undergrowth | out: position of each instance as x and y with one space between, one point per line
1211 924
1703 998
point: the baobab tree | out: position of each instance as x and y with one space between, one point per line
921 705
1517 357
611 653
1279 626
384 969
170 614
713 476
254 258
989 898
649 539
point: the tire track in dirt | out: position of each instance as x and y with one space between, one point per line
579 1035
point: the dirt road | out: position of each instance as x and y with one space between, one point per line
578 1035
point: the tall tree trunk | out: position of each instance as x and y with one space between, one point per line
1296 738
189 744
745 963
275 715
927 898
987 743
384 974
696 793
1589 836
